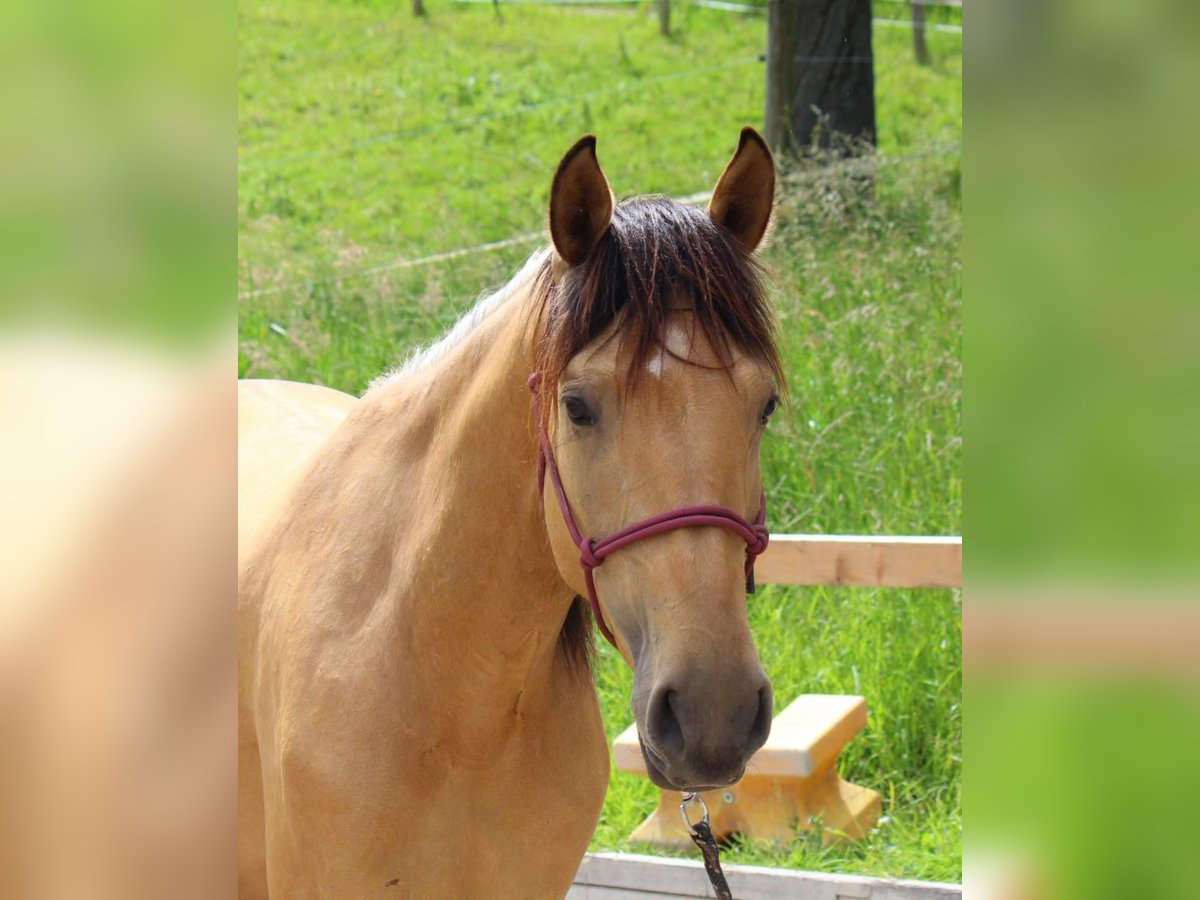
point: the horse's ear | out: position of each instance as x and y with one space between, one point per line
745 194
581 203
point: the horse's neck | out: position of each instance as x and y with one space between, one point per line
445 459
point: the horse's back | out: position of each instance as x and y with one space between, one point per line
280 425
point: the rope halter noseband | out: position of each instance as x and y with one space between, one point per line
593 552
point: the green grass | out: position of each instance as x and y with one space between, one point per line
367 137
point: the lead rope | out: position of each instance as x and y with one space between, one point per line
702 837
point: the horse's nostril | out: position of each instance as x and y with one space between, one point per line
662 723
761 729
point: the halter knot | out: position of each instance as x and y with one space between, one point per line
587 554
764 538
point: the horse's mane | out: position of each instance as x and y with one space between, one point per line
656 256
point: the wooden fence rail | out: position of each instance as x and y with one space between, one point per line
629 876
861 561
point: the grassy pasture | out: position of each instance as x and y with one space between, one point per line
368 138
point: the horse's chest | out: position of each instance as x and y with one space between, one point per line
516 827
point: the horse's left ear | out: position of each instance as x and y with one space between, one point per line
581 203
745 194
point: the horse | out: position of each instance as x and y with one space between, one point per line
417 716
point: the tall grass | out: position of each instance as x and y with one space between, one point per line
368 136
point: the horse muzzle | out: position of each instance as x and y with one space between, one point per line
700 737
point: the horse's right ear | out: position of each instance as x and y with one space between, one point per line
581 203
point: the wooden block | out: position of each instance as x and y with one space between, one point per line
627 752
789 782
808 735
771 809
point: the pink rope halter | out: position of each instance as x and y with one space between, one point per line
592 552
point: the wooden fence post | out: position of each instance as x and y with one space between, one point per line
918 29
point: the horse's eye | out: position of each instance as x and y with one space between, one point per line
769 409
578 411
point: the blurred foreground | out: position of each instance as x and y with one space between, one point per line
117 428
117 629
1081 623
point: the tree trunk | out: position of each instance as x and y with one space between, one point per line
782 28
918 20
820 74
664 16
418 7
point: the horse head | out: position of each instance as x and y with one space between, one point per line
657 374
